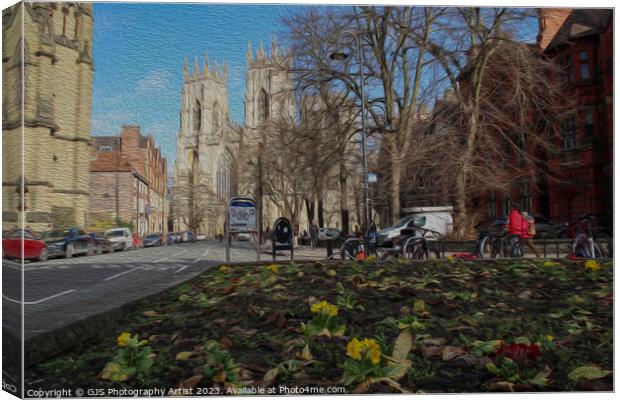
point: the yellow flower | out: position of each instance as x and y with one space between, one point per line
224 269
123 339
354 349
549 338
549 264
592 265
367 348
450 258
273 268
325 308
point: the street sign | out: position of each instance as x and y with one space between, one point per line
372 177
242 215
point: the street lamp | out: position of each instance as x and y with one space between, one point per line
340 54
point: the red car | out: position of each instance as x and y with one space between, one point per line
34 249
136 241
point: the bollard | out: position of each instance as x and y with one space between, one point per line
329 247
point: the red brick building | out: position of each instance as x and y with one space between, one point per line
132 165
580 173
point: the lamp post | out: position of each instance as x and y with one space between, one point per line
340 55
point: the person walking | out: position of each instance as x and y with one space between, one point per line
528 231
314 234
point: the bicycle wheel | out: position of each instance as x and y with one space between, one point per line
486 247
347 250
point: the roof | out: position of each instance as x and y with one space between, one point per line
582 22
105 141
106 162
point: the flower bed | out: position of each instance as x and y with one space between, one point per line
368 327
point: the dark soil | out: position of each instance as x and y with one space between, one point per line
255 313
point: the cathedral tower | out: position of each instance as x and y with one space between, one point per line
206 144
48 68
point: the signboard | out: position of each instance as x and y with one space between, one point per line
372 177
242 215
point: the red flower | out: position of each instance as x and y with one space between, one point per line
465 256
519 352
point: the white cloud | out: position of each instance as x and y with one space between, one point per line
153 82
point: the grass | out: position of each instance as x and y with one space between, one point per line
241 326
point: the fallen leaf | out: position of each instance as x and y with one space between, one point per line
402 345
184 355
191 383
150 314
431 351
226 343
270 376
449 352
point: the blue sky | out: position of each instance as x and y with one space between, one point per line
139 51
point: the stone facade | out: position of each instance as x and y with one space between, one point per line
50 68
142 189
207 144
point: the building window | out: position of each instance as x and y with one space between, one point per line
569 134
584 65
492 206
588 123
105 149
263 105
197 117
526 198
568 68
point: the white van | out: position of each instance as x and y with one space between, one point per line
120 238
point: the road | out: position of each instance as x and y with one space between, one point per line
61 291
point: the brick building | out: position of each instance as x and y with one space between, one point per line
133 166
580 173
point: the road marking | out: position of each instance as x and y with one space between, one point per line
41 300
169 257
181 269
122 273
202 256
13 265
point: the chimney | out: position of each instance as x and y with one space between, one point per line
550 20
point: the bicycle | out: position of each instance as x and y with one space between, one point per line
493 242
584 243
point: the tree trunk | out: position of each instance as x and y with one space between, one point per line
309 210
396 175
344 212
320 211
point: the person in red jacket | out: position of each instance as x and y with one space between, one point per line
515 221
528 231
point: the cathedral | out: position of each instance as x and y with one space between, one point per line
217 159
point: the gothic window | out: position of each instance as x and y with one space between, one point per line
569 134
263 105
76 33
568 68
197 117
584 65
492 205
588 123
64 22
216 117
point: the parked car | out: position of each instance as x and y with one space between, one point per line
245 237
102 244
153 239
186 236
120 237
34 248
389 233
329 234
68 242
172 238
